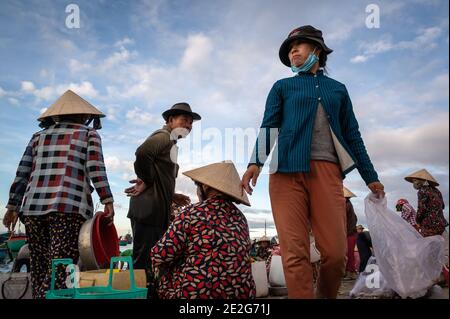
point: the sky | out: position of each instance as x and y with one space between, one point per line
135 59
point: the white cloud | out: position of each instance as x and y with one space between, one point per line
42 110
28 86
424 144
139 117
76 66
437 90
197 53
359 59
425 40
122 56
2 92
46 93
402 104
123 42
84 89
124 168
13 101
377 47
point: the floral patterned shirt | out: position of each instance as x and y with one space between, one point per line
205 254
430 214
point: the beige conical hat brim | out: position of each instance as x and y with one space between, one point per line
70 103
263 238
348 193
221 176
422 174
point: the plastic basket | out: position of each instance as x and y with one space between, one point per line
99 292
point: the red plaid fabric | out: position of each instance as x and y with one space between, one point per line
56 172
409 214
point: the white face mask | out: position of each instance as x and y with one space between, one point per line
179 132
309 63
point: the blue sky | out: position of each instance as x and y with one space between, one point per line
134 59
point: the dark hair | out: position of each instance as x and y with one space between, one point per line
176 114
323 59
74 118
222 195
46 123
84 119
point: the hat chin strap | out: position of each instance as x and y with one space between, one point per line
97 123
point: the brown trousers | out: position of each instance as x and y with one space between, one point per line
301 201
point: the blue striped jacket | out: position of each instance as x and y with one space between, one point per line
290 113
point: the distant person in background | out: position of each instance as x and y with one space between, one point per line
52 188
253 249
430 210
408 213
365 249
352 234
275 250
263 251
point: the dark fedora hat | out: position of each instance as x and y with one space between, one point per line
181 108
305 33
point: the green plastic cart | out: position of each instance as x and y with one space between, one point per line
97 292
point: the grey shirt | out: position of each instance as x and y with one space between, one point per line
322 146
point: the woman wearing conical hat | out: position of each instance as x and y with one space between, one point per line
52 188
205 253
430 216
263 251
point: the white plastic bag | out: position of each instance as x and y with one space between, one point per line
371 283
276 273
260 277
409 263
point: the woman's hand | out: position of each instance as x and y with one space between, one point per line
109 211
181 200
377 188
10 219
251 174
137 189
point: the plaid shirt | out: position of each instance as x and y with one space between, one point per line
56 171
409 214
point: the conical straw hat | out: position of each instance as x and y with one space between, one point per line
221 176
348 193
70 103
422 174
263 238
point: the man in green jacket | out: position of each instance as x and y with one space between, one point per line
156 169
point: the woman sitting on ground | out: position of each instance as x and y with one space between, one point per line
205 253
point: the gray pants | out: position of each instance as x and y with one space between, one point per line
144 238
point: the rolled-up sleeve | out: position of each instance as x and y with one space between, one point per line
23 173
96 168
